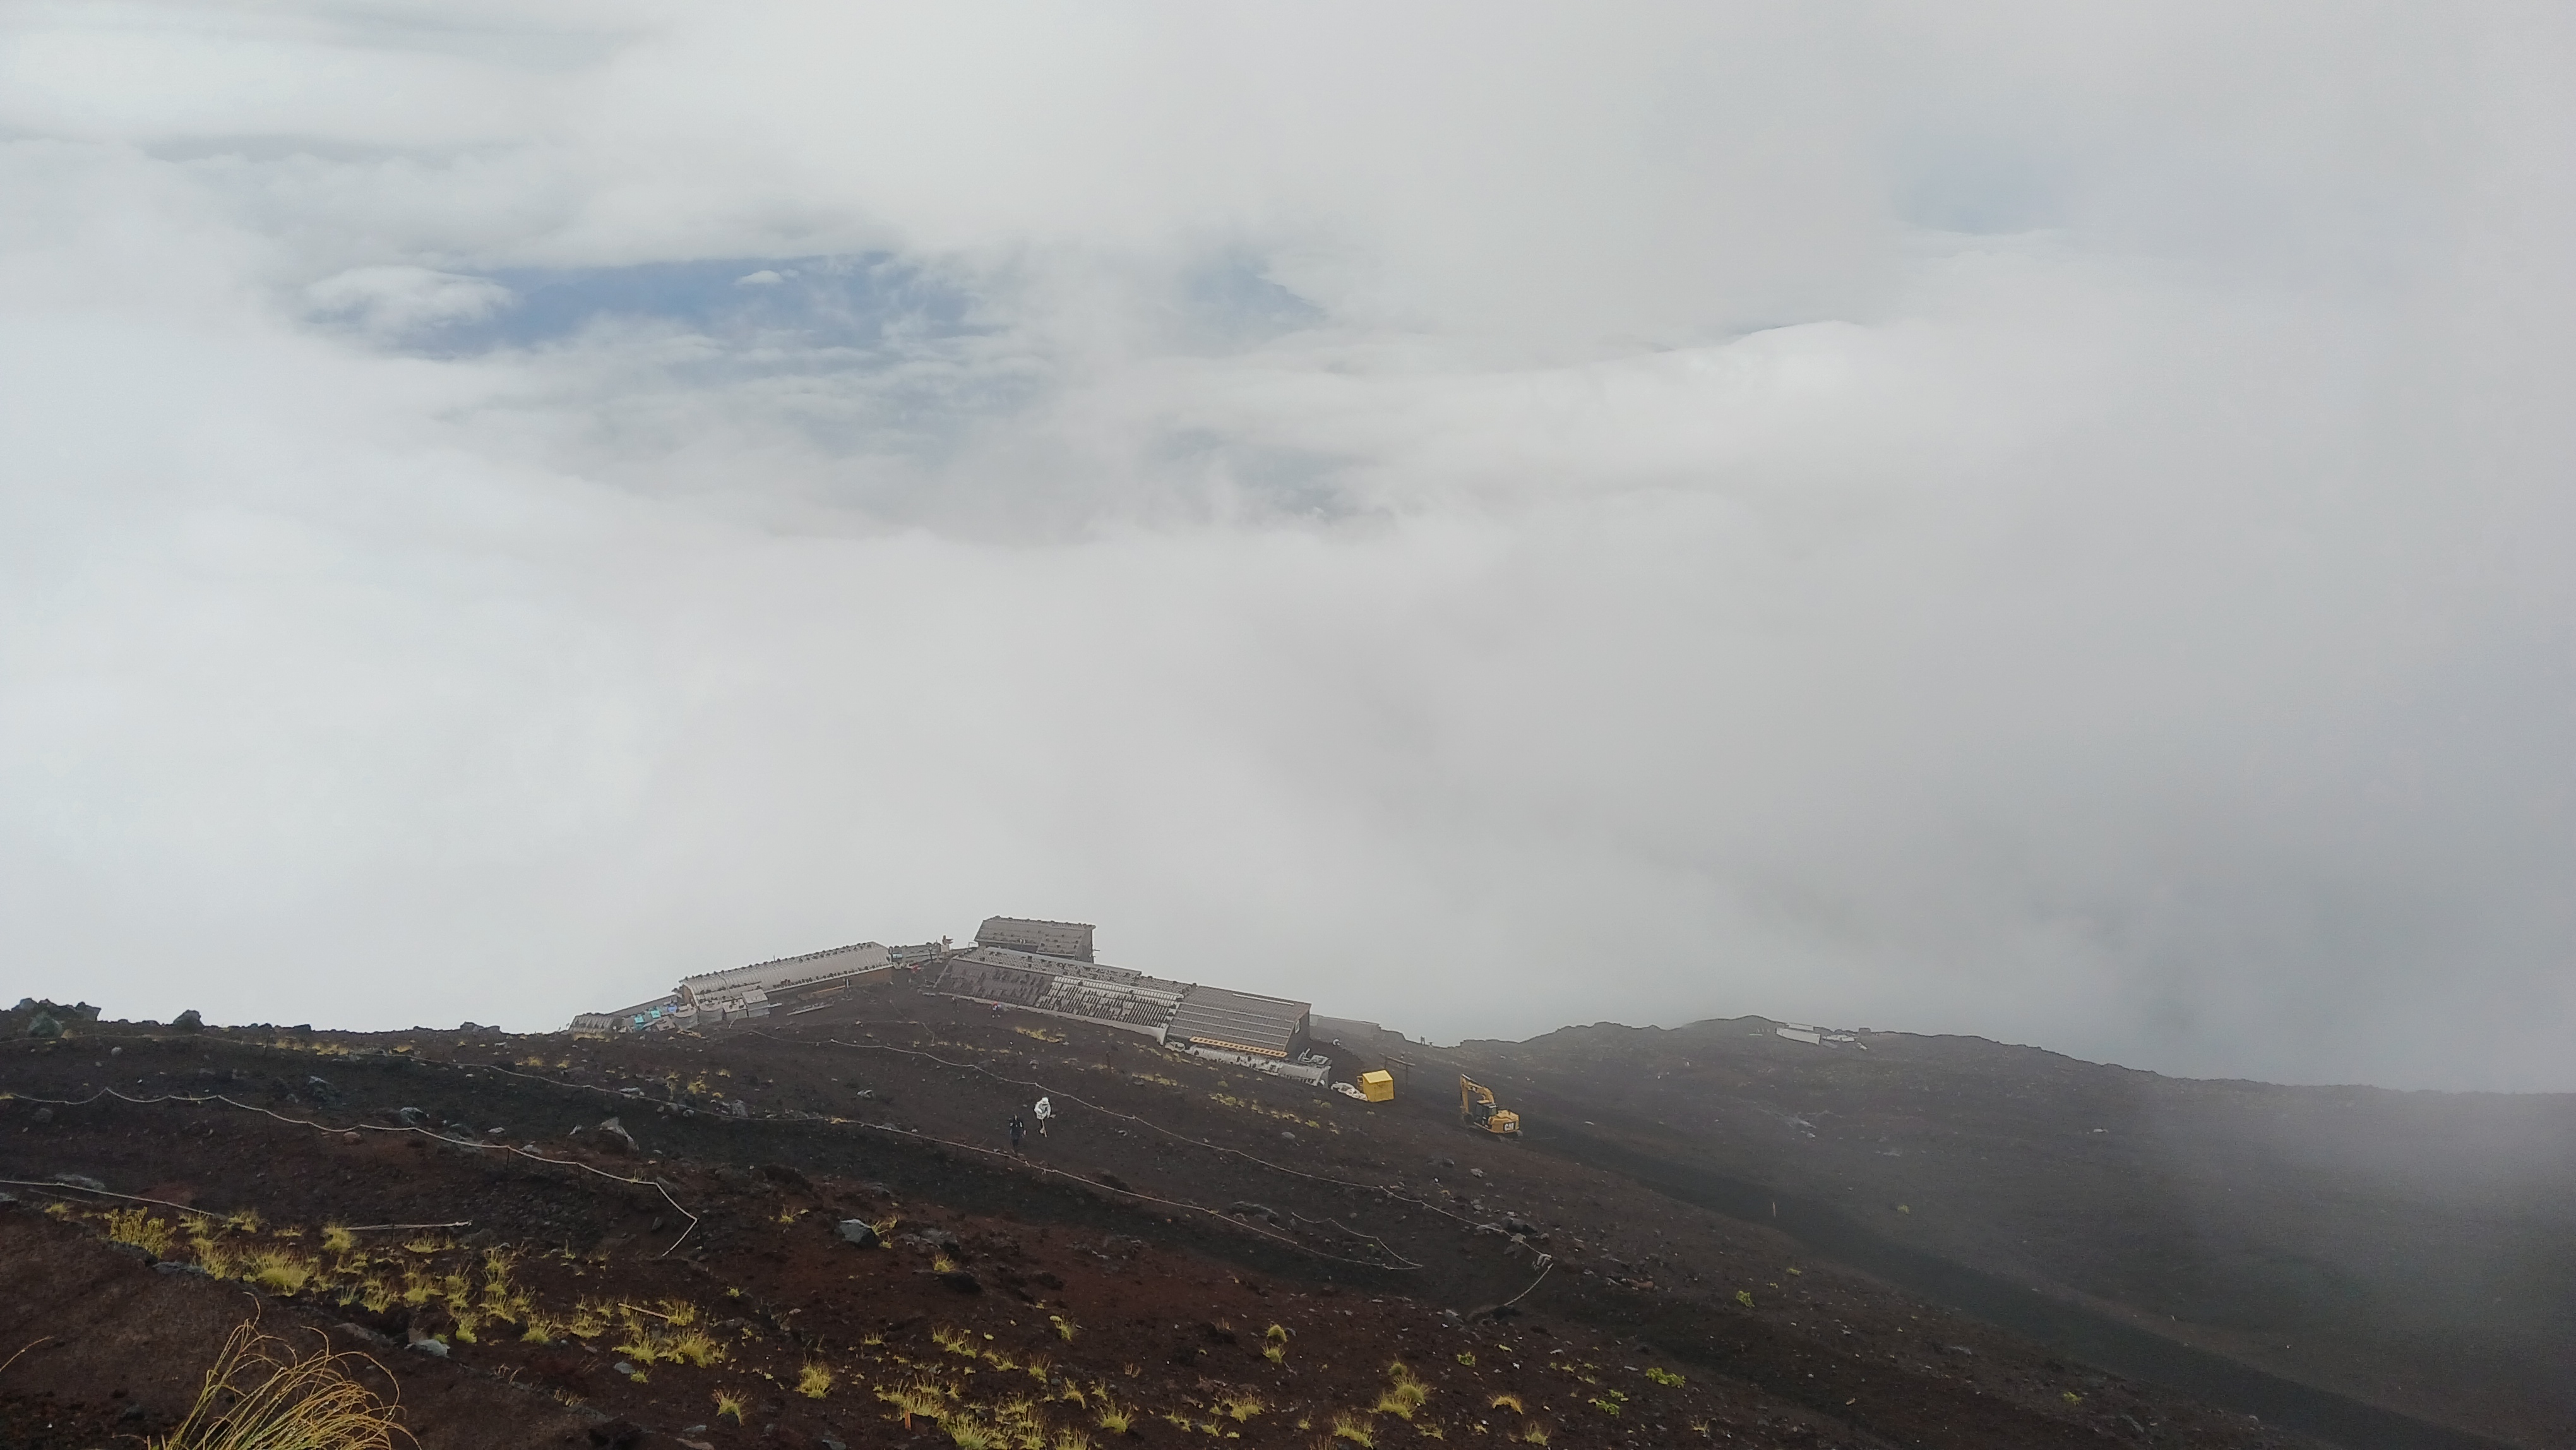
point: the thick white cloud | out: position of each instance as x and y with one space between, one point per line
2035 524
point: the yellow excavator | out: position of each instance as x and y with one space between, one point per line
1476 1109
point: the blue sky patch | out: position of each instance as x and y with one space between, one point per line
859 302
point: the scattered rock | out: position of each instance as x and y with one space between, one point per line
410 1117
962 1281
1958 1349
858 1231
781 1173
190 1021
1475 1172
614 1138
360 1331
44 1025
1255 1210
436 1347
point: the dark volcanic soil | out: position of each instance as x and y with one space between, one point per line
2412 1250
1194 1252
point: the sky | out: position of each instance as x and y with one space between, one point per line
2041 522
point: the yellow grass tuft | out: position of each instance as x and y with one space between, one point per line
278 1271
261 1395
1405 1392
915 1397
1511 1403
1356 1430
814 1381
138 1227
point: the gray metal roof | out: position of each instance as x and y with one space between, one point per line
1240 1020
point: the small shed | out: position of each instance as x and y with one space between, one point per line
1378 1087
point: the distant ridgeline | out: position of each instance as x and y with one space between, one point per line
1028 965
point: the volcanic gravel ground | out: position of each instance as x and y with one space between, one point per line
2415 1251
1207 1252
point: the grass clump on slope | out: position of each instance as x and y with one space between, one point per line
262 1395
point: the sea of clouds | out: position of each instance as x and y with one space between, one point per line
2047 524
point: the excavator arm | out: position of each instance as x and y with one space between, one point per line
1476 1109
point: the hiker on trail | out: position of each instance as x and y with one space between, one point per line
1045 1110
1017 1127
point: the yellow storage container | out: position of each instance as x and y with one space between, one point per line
1377 1087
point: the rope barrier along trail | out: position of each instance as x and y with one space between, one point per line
1543 1271
58 1188
1401 1262
205 1099
1044 1171
1157 1127
1006 1160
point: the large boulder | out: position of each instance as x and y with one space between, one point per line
857 1231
